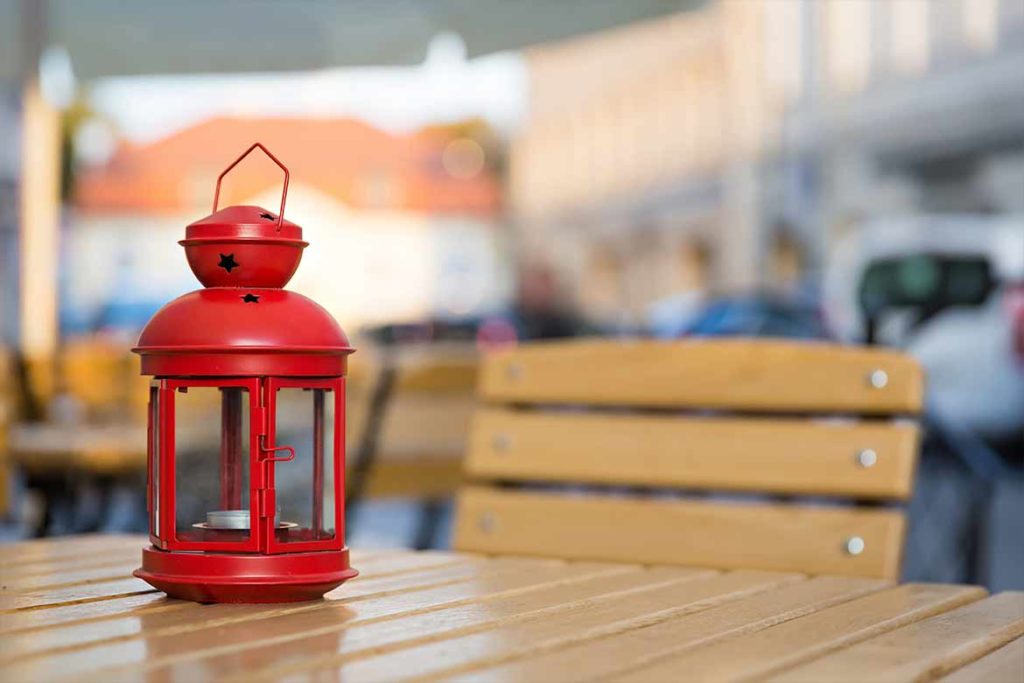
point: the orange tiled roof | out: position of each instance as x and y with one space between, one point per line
360 165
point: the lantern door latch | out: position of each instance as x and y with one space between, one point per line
271 449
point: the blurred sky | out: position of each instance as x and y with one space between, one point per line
446 87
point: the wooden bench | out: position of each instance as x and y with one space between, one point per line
585 446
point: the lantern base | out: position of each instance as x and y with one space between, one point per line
226 577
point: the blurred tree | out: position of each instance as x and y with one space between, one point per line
72 119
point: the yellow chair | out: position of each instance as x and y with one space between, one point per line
605 434
106 433
105 379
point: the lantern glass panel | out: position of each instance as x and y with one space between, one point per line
211 452
305 486
154 460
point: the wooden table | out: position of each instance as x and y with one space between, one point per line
71 611
97 449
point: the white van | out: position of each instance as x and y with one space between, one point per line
950 291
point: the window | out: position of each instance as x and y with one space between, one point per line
304 485
154 459
212 460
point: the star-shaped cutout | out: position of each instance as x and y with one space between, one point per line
227 262
251 298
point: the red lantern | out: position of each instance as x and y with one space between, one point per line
258 372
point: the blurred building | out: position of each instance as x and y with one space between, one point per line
729 147
403 224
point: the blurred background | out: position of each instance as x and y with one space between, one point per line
472 174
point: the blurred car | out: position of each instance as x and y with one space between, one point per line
484 332
127 315
424 332
950 291
974 356
762 314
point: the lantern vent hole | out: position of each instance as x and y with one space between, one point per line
227 262
251 298
268 216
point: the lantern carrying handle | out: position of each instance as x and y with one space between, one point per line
284 190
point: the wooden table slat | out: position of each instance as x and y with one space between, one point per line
609 655
1004 664
49 550
70 577
56 597
763 653
118 558
389 565
26 621
923 649
524 634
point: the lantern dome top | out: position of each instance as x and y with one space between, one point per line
237 331
225 317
